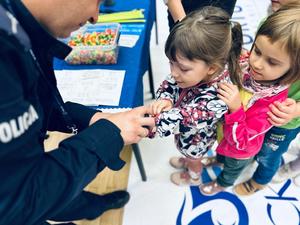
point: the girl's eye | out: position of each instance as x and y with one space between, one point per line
184 70
272 63
256 51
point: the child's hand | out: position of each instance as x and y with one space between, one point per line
284 112
229 93
160 105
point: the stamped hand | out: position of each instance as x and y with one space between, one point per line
158 106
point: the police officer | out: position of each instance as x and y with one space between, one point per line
37 186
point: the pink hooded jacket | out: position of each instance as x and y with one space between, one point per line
244 130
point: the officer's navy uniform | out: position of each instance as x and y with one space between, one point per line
36 185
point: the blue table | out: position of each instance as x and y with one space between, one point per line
135 61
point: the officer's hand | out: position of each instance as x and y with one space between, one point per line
98 116
134 124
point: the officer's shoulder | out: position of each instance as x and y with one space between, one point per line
10 82
10 28
7 42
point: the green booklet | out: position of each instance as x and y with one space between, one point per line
133 16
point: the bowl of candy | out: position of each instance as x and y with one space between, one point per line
94 44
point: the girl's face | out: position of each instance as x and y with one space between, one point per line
189 73
268 61
276 4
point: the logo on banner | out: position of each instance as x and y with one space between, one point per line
226 208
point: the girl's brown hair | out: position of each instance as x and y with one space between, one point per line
209 35
284 26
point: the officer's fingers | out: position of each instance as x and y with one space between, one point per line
130 136
141 111
142 132
147 122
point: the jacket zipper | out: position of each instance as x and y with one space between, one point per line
181 96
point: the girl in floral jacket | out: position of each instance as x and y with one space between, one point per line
187 105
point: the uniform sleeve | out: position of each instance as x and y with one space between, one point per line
44 181
196 115
102 140
80 114
49 180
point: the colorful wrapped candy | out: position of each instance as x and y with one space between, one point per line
95 45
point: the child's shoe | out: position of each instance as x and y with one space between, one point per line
248 188
211 188
285 172
210 161
178 162
296 180
181 162
184 179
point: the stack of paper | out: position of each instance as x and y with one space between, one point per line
133 16
91 87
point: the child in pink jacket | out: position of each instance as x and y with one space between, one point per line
267 72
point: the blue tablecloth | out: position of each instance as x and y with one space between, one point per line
133 60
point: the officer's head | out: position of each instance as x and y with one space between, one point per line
61 17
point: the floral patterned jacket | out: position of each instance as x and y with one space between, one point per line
194 116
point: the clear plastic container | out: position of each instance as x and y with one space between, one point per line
94 44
